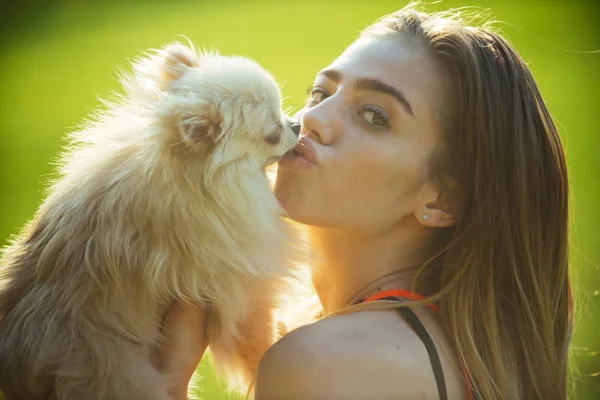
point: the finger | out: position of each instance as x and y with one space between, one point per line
185 341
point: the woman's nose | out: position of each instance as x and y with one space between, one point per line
317 123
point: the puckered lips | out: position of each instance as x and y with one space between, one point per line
303 155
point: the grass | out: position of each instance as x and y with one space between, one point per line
59 58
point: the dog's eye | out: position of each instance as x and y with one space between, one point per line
273 138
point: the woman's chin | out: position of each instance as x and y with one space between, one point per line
289 202
298 197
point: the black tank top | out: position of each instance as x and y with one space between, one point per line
417 326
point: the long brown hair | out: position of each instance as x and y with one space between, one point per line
503 281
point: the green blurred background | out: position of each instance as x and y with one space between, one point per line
57 57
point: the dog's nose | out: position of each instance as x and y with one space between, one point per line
296 128
294 125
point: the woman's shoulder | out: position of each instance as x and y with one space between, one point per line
352 356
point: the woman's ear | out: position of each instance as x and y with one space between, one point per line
436 208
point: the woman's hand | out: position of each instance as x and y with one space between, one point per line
184 330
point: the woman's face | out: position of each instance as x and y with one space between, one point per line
372 124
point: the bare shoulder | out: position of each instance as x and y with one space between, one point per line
363 355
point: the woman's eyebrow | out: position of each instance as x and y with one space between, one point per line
332 74
371 85
374 85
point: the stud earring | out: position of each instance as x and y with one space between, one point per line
424 217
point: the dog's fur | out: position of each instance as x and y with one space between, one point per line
161 198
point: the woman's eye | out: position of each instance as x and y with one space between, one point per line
375 116
317 95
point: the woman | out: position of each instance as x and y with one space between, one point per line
432 176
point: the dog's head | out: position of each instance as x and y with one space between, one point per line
227 106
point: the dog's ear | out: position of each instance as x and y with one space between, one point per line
176 60
202 127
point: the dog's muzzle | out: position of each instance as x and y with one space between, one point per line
294 126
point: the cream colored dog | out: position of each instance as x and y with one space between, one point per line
162 198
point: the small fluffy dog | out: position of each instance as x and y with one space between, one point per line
161 198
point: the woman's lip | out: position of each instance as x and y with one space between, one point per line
306 148
303 155
295 161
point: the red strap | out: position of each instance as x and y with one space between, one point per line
405 294
469 390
